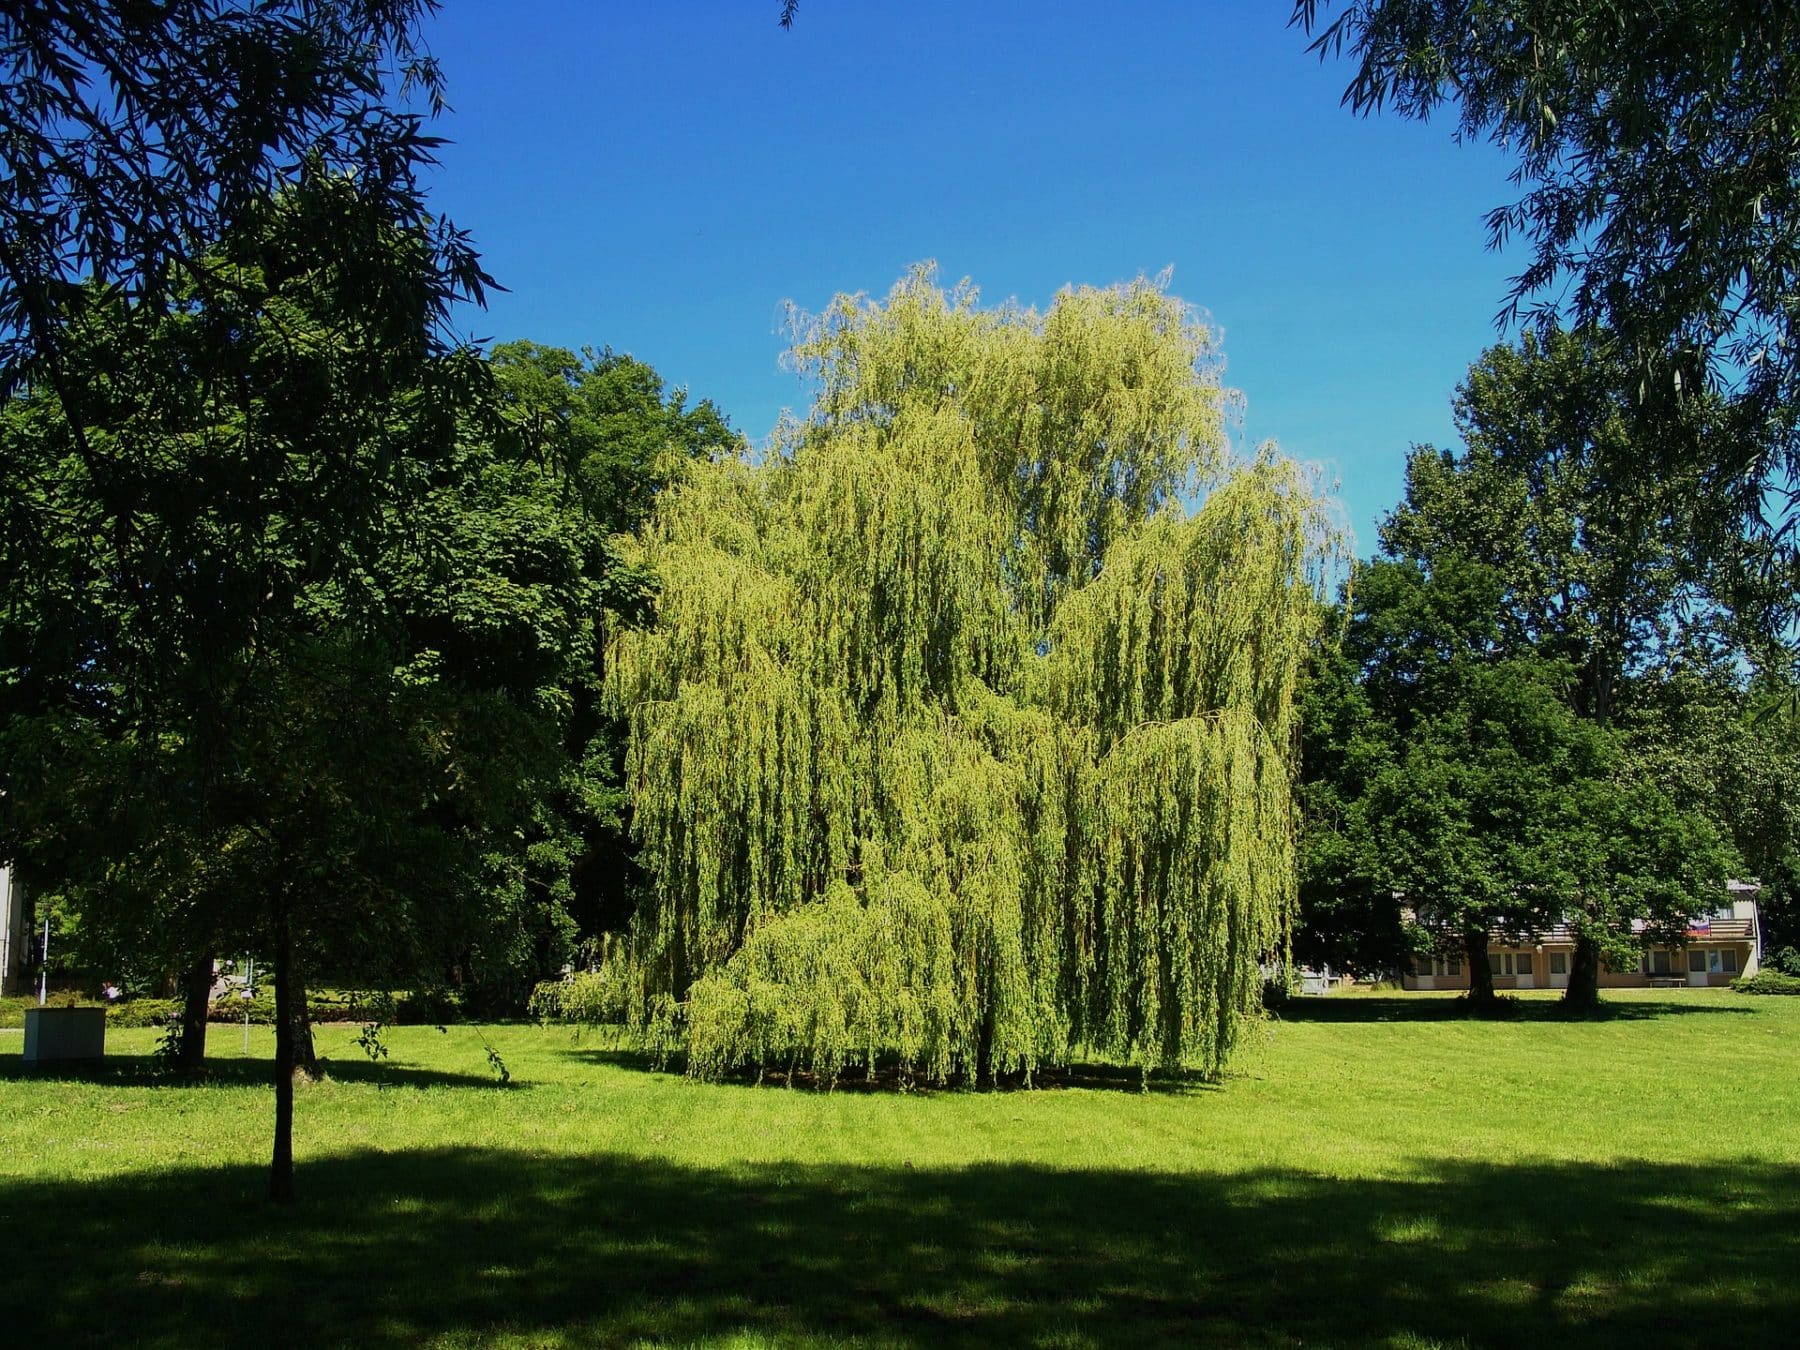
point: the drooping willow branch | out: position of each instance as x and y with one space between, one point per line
958 738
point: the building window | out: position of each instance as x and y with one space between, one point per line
1494 964
1729 958
1455 970
1422 965
1697 961
1522 964
1559 963
1659 961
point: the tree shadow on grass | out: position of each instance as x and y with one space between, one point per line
470 1246
149 1071
1094 1076
1414 1008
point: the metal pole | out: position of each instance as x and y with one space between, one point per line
44 970
249 979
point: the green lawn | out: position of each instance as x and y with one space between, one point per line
1375 1172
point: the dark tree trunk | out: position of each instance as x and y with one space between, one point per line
984 1047
281 1164
1482 998
306 1059
196 1003
1584 975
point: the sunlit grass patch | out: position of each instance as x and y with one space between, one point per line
1388 1176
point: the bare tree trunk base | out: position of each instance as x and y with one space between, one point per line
281 1161
1583 993
1483 1001
196 1004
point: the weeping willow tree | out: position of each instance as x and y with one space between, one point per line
958 739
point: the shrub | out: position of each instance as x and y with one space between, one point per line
1767 982
408 1008
320 1007
606 993
838 983
1787 961
142 1012
591 997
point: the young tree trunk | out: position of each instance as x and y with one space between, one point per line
1482 998
1584 975
281 1164
984 1047
196 1003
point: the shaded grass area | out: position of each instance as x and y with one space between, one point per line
472 1245
147 1071
1082 1073
1376 1171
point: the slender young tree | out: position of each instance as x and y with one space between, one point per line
957 737
280 645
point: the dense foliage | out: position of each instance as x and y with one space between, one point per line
299 638
1465 757
957 738
1767 982
1728 746
1656 147
135 134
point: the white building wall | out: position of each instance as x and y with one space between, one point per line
12 933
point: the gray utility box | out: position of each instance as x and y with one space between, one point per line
53 1034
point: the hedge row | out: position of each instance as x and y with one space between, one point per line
1767 982
395 1010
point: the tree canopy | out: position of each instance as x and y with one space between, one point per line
135 134
1471 765
957 737
1656 148
1601 567
284 627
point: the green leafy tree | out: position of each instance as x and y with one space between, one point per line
1444 796
610 435
283 644
1348 916
1728 744
1607 575
134 133
1655 147
1455 792
1641 867
956 740
1608 572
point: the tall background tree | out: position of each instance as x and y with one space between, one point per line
1605 569
1437 767
1729 744
610 435
1533 547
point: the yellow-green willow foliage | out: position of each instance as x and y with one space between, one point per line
957 739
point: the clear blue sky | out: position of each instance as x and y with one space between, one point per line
661 176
